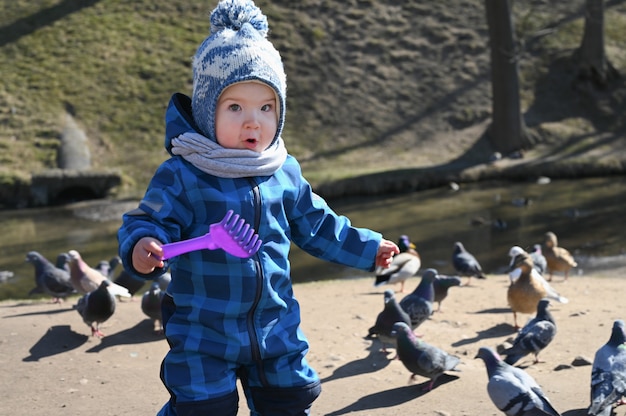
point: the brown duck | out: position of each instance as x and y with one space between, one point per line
558 258
527 290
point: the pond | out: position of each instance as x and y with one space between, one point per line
488 218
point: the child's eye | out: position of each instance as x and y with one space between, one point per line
267 107
234 107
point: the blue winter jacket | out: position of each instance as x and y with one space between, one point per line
242 311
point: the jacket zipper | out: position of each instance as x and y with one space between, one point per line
254 342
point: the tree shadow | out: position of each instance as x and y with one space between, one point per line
602 108
375 361
139 334
409 123
44 17
58 339
392 397
496 331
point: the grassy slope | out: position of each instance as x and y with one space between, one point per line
405 79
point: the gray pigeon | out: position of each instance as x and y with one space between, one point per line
534 336
151 300
49 279
419 304
441 285
96 307
131 283
465 263
63 262
539 261
391 313
151 305
105 267
123 278
164 281
608 373
512 390
421 358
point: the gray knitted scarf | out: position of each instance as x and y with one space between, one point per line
216 160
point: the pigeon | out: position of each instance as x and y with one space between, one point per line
96 307
404 265
151 305
465 263
125 279
512 390
608 373
419 304
63 262
151 300
391 313
86 279
558 258
534 336
164 281
529 288
49 279
106 267
421 358
539 260
441 285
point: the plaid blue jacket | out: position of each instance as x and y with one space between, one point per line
241 311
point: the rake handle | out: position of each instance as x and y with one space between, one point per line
181 247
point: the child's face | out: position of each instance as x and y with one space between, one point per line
246 116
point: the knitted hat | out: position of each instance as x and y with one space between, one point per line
236 50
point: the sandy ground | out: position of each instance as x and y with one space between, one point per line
51 366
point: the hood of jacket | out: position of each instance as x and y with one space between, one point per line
178 119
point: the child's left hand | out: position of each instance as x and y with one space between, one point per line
386 251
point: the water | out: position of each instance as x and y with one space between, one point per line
587 216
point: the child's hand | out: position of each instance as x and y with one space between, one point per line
147 255
386 251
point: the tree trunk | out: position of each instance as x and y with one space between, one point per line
507 131
594 67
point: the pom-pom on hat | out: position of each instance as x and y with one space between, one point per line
236 50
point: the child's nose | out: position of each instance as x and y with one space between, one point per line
252 121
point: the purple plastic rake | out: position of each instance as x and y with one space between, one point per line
232 235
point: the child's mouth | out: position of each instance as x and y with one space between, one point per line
251 143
